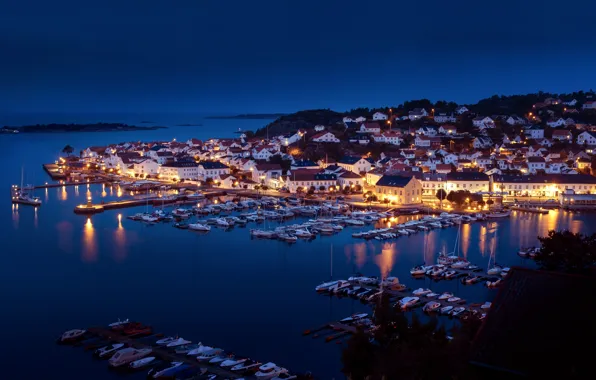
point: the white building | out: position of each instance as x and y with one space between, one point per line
417 113
560 122
535 132
483 122
461 110
389 137
591 105
354 164
319 128
177 171
587 137
379 116
325 137
146 167
212 169
370 127
535 164
444 117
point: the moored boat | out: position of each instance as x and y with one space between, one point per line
127 355
72 335
107 351
269 370
142 363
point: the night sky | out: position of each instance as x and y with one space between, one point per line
282 56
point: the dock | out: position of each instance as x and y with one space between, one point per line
160 352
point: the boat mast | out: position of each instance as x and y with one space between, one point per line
331 261
456 247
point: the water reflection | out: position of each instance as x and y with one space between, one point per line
35 216
15 215
47 195
103 190
359 255
89 253
119 241
119 193
465 239
76 188
386 259
63 194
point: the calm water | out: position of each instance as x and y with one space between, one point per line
63 271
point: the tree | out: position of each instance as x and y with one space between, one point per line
300 190
490 202
209 181
321 188
68 150
357 188
441 194
565 250
311 190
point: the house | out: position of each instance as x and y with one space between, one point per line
450 158
319 128
399 190
360 119
482 142
587 137
178 171
535 132
304 179
483 122
304 164
389 137
349 179
262 153
571 103
560 122
474 182
583 164
290 139
374 175
417 113
267 174
535 164
212 169
347 119
370 127
447 129
146 167
427 130
515 120
562 135
355 164
549 185
552 101
228 181
94 152
422 141
379 116
444 117
590 105
443 168
461 110
325 137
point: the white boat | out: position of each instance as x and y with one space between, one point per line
208 355
108 350
354 317
446 309
494 215
137 364
303 233
445 296
231 362
119 323
324 287
364 280
287 238
165 341
127 355
285 376
222 222
341 284
486 305
178 342
407 302
246 365
221 358
453 299
460 264
421 292
494 270
449 274
419 270
269 370
156 374
431 306
494 284
199 350
354 222
72 335
199 227
436 271
457 311
431 295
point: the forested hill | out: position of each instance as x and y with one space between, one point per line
300 120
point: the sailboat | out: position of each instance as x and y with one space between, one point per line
495 269
420 270
19 195
454 260
327 286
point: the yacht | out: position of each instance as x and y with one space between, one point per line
208 355
453 299
457 311
341 284
503 214
199 227
166 341
72 335
450 274
494 270
221 222
118 323
419 270
431 306
471 279
178 342
127 355
446 310
199 350
445 296
494 284
232 362
432 295
436 271
269 370
221 358
162 371
460 264
246 365
23 198
137 364
287 238
324 287
106 351
408 302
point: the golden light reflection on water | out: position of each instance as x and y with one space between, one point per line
76 188
119 193
35 217
482 240
63 194
360 255
89 253
47 195
103 190
15 215
465 239
386 259
119 241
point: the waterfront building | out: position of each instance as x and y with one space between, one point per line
474 182
570 200
267 174
548 185
211 169
399 190
349 179
307 178
176 171
144 168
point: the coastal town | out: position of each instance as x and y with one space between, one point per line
400 158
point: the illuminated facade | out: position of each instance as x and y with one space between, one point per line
399 190
550 185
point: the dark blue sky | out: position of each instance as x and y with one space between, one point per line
276 55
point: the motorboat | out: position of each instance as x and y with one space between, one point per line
221 222
285 376
471 279
460 264
72 335
231 362
505 272
408 302
199 350
142 363
354 317
162 371
503 214
199 227
107 351
182 226
354 222
166 341
446 310
445 296
127 355
431 306
494 270
421 292
221 357
436 271
486 305
246 365
432 295
364 280
118 323
269 370
419 270
449 274
287 238
390 282
208 355
178 342
453 299
24 198
341 284
457 311
494 284
324 287
186 348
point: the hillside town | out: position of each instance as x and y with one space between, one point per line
402 157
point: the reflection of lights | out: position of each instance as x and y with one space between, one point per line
465 239
89 243
386 259
119 193
359 254
119 218
63 194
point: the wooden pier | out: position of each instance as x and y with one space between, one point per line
160 352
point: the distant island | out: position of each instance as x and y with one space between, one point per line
189 125
93 127
255 116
